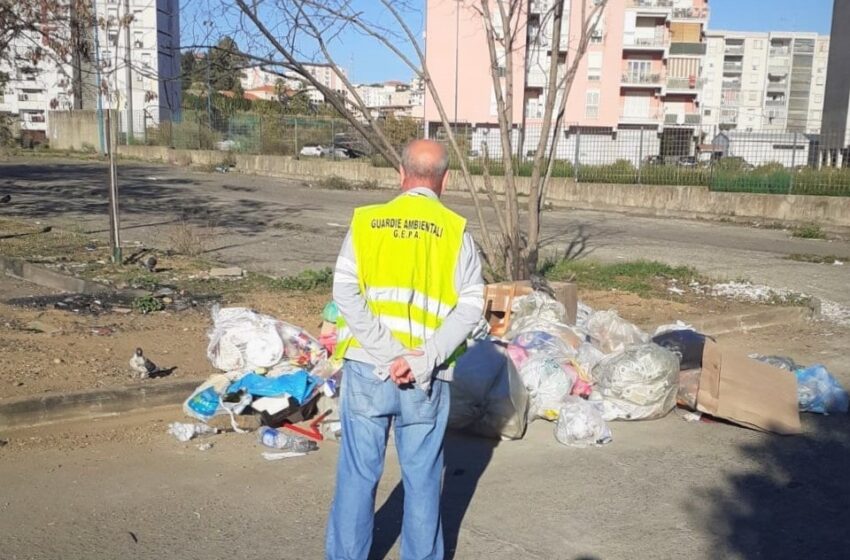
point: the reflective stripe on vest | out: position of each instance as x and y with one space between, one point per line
406 254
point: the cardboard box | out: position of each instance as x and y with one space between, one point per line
499 298
747 392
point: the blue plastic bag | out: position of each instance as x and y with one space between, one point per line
203 404
818 391
298 385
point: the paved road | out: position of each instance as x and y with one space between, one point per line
283 226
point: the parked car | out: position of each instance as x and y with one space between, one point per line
687 161
312 150
654 160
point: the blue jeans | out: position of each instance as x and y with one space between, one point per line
368 407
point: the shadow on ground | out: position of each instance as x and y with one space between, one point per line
50 190
796 504
466 459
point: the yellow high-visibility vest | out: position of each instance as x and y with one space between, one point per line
406 254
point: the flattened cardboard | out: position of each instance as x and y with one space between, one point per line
747 392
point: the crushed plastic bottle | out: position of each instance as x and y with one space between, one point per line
277 439
185 432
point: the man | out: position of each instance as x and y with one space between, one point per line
409 291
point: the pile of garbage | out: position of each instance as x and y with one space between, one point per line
580 369
274 377
583 374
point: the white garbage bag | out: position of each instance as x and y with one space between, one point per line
640 383
580 424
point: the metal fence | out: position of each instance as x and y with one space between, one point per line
725 160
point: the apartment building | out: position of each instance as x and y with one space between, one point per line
637 90
764 81
139 63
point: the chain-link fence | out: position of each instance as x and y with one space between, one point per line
725 160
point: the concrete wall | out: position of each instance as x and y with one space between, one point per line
684 202
73 130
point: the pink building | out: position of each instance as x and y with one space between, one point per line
636 92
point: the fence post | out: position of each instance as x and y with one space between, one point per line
640 157
793 165
297 151
578 143
333 139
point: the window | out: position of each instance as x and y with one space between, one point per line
138 41
112 16
753 97
597 35
758 44
819 80
707 112
818 98
591 108
594 66
113 37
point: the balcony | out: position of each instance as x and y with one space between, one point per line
682 119
733 68
538 7
651 117
777 86
687 49
774 103
689 14
651 7
535 80
779 51
657 43
734 50
684 85
637 79
728 117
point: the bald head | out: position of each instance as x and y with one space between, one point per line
424 163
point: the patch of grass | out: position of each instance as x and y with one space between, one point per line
816 259
336 183
808 231
147 304
644 278
143 280
307 280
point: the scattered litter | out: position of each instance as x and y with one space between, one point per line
205 446
780 362
820 392
269 456
677 326
757 293
675 290
691 416
334 224
580 424
185 432
229 272
277 439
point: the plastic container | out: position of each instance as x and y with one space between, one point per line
277 439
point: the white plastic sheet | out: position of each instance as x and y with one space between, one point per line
548 381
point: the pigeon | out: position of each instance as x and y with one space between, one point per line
149 263
141 365
5 199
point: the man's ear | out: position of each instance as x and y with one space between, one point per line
444 182
401 174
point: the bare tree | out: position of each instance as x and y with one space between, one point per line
292 34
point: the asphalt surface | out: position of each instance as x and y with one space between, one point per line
283 226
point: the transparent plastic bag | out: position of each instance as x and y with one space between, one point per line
611 333
488 398
588 356
781 362
580 424
548 381
641 383
818 391
244 340
185 432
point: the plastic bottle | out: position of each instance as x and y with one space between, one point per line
276 439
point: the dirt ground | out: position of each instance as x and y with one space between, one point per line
48 350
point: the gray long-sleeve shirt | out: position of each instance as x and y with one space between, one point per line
378 346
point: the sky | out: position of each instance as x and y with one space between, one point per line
368 62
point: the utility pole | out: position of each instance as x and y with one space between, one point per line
100 128
114 223
128 68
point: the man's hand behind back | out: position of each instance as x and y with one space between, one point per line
400 371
